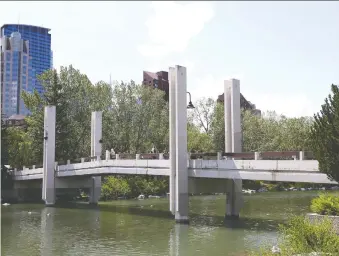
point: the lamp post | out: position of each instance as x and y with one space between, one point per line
190 104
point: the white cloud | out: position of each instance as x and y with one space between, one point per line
173 25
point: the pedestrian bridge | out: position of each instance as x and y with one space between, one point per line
255 169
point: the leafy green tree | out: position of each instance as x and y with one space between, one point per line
269 132
20 148
74 97
325 135
137 119
198 141
6 178
218 127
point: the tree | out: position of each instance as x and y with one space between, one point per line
325 135
202 114
137 119
74 97
218 127
198 141
269 132
6 178
20 148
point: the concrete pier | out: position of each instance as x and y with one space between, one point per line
234 198
48 182
96 139
181 211
233 144
172 135
178 144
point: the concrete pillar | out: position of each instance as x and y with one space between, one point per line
96 136
233 143
161 156
257 155
137 157
301 155
234 198
82 159
108 155
172 131
68 162
233 133
219 156
181 202
117 157
48 180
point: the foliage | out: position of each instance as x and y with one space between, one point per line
72 94
326 204
137 120
114 187
218 128
269 132
6 178
198 141
20 148
301 236
325 135
132 186
202 114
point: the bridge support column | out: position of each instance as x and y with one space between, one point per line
48 180
96 139
234 198
233 143
178 144
233 133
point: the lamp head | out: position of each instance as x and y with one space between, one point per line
190 105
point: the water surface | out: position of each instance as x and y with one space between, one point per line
145 227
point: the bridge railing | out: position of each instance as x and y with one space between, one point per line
268 155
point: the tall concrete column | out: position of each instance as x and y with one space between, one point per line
233 143
172 130
96 136
234 198
48 181
233 133
181 203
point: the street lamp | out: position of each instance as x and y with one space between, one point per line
190 104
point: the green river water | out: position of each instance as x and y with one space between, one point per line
145 227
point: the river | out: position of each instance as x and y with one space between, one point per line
145 227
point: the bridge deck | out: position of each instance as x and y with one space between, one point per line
269 170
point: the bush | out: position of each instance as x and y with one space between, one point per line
114 187
300 236
326 204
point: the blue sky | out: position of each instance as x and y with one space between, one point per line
285 54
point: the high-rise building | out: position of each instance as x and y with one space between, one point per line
15 74
40 48
157 80
244 104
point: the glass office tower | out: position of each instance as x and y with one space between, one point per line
15 74
40 51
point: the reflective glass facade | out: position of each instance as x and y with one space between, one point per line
14 74
39 48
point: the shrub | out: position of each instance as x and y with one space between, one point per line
300 236
326 204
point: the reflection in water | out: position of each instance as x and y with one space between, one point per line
146 227
47 224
